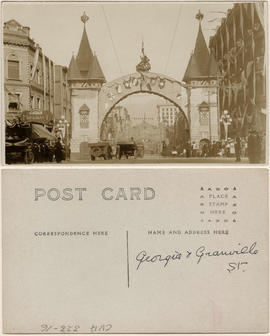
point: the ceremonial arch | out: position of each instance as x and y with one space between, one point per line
152 83
92 99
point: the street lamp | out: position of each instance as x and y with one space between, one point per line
226 120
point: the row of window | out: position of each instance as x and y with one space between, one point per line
168 114
37 103
14 71
169 109
14 102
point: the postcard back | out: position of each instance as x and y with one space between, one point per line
135 251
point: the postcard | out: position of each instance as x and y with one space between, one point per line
137 240
135 250
138 82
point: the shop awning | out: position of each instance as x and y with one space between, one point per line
42 132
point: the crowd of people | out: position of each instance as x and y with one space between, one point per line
50 151
252 147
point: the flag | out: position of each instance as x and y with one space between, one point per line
244 83
234 32
249 69
35 62
53 65
227 37
223 97
259 8
242 31
50 86
244 115
229 94
44 81
221 43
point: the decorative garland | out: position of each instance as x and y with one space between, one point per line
148 81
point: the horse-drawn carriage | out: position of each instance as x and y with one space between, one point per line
19 145
128 149
22 139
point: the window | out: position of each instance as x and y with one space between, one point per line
13 102
204 113
38 103
204 117
38 76
32 102
13 69
84 116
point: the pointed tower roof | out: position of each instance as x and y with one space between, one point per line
199 62
192 69
213 66
86 65
95 71
73 70
201 52
85 54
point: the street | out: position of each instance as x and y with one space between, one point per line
153 159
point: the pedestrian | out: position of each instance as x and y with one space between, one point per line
46 151
68 152
50 152
188 149
58 151
252 147
194 148
257 148
215 148
263 148
42 152
35 151
204 150
232 149
39 152
227 149
237 147
109 152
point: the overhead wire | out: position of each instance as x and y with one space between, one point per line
173 37
113 44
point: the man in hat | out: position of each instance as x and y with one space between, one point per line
58 151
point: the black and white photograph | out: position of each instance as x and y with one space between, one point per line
128 83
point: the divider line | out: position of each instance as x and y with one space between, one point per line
127 259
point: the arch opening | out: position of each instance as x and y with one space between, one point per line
162 128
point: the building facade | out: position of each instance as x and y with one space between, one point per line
35 88
117 125
167 114
239 49
202 91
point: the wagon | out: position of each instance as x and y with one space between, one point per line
100 150
126 149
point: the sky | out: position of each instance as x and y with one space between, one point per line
168 29
115 32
